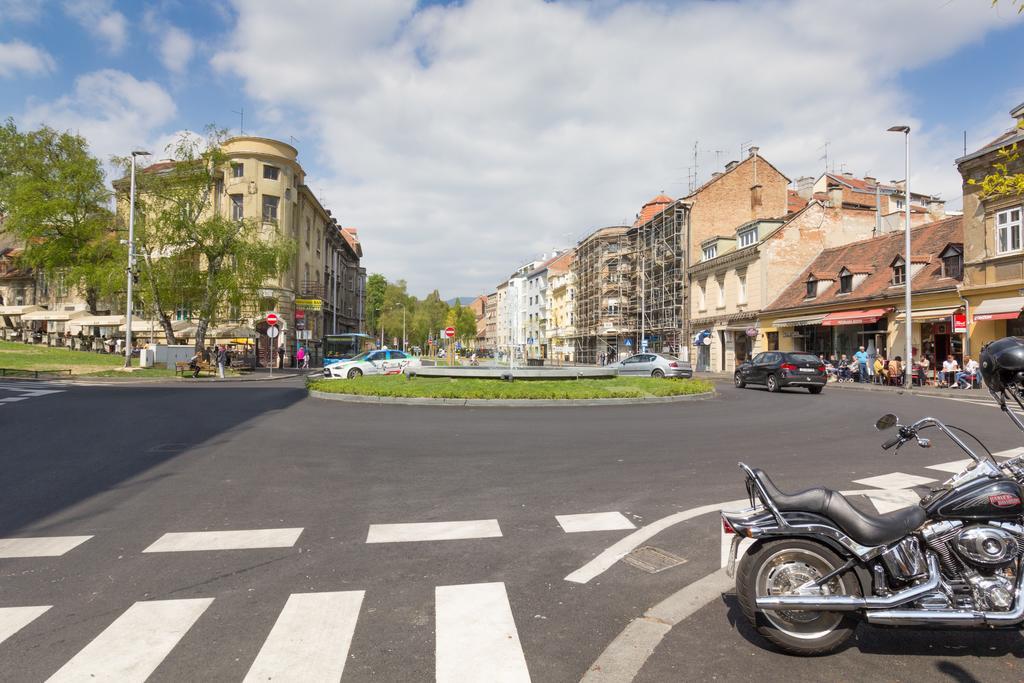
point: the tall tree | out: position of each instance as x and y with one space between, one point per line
216 263
54 203
375 286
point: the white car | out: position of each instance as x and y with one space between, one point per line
382 362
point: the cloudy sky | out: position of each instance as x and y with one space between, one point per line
464 138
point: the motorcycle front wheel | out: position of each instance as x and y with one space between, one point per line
779 568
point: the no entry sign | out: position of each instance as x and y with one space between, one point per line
272 318
449 332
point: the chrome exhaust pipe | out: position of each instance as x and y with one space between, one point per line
852 603
949 617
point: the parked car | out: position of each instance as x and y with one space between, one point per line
375 362
653 365
777 369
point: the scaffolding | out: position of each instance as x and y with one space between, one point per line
660 297
605 313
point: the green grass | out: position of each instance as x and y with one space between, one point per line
17 356
443 387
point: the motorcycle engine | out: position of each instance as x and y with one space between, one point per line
979 562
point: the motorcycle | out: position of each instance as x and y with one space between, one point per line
818 564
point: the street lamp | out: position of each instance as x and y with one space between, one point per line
131 261
909 366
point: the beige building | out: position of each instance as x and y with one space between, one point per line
560 307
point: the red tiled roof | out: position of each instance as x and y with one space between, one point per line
794 202
928 240
652 208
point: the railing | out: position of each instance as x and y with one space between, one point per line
34 374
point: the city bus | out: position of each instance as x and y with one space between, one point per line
339 347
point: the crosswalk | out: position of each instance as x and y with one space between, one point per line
16 392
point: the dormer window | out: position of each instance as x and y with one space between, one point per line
899 271
812 287
953 262
710 252
845 281
747 237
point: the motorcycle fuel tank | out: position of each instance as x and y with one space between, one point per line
978 499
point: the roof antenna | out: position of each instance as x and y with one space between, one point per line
241 119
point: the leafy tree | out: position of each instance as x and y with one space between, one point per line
375 286
54 203
1006 179
463 320
188 248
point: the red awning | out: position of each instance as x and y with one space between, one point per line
854 317
997 316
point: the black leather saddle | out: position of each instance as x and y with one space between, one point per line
866 529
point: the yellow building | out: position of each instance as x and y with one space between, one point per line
993 245
560 307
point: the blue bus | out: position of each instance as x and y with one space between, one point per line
339 347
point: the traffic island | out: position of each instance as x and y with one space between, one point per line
419 390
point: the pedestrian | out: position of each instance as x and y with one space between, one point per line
193 363
949 370
965 378
862 364
879 368
925 365
300 357
280 356
895 370
222 360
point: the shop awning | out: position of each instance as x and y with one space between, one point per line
999 309
143 326
854 317
800 320
97 321
52 316
930 315
18 310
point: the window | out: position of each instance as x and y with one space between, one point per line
899 271
1008 230
748 237
741 292
318 241
721 293
182 313
237 170
812 287
309 229
845 281
270 172
710 252
899 203
237 212
953 262
270 208
306 279
702 302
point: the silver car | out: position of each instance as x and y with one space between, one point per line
653 365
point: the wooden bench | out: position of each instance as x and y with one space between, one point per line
182 366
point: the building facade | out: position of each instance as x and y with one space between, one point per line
604 271
561 308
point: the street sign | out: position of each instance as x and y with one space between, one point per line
959 323
273 332
309 304
628 342
271 319
449 332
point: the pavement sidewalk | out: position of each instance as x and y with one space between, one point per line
858 386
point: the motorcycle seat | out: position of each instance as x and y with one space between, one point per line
864 528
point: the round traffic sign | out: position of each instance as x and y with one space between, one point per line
272 318
273 332
449 332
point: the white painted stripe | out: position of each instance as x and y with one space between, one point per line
13 619
12 399
132 647
476 636
594 521
46 546
310 639
894 480
433 531
893 499
241 539
1010 452
953 466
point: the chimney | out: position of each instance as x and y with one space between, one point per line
847 174
870 180
715 174
835 197
731 165
805 187
936 208
753 151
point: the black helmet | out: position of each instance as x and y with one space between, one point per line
1002 363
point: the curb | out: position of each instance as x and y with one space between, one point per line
506 403
129 380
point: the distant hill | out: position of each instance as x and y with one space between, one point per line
464 300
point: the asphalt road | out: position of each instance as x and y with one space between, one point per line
126 465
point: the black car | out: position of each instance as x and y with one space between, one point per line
777 369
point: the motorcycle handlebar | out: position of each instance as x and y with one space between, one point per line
891 442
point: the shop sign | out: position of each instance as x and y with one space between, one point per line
309 304
959 323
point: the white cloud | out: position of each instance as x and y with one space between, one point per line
465 138
176 50
19 57
20 10
113 110
99 18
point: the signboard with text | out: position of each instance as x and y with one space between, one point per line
309 304
959 323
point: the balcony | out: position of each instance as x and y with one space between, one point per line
312 289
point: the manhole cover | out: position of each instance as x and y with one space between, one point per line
652 560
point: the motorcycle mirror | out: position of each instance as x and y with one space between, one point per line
887 421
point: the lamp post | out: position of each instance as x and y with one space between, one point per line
131 261
909 366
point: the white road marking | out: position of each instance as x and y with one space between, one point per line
13 619
240 539
594 521
433 531
13 399
893 499
476 636
310 639
894 480
1010 452
45 546
132 647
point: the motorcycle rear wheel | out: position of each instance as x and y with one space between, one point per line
776 568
